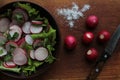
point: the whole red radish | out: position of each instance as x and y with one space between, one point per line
92 21
103 36
70 42
91 54
88 37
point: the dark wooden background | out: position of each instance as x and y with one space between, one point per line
71 65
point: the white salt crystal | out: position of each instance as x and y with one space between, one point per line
71 24
85 8
73 14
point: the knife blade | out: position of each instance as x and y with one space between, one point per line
105 55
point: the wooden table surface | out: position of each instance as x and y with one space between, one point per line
71 65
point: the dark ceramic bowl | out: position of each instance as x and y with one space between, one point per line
52 22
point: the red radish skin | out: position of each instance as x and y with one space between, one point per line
70 42
4 24
26 27
91 54
5 65
36 29
19 57
20 41
7 46
41 53
36 22
9 64
92 21
103 36
88 37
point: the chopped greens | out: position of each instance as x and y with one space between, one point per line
9 37
1 51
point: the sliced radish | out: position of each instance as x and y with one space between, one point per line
5 65
37 22
41 54
21 11
36 29
21 42
19 57
20 51
3 52
9 64
32 54
26 27
15 29
37 43
29 39
10 44
4 24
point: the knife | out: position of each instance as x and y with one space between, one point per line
105 55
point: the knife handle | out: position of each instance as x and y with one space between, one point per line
98 66
95 71
104 57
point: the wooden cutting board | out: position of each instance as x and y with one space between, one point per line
71 65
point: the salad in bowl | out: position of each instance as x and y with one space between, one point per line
28 38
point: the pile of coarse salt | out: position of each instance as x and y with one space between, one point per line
74 13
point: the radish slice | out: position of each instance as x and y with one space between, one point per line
19 57
5 65
32 54
10 45
15 29
26 27
28 39
21 42
36 29
37 22
20 51
41 54
9 64
37 43
4 24
21 11
3 52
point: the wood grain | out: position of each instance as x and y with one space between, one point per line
71 65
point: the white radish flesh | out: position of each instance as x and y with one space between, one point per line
16 27
10 44
29 39
41 54
3 52
19 57
36 29
4 24
26 27
32 54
